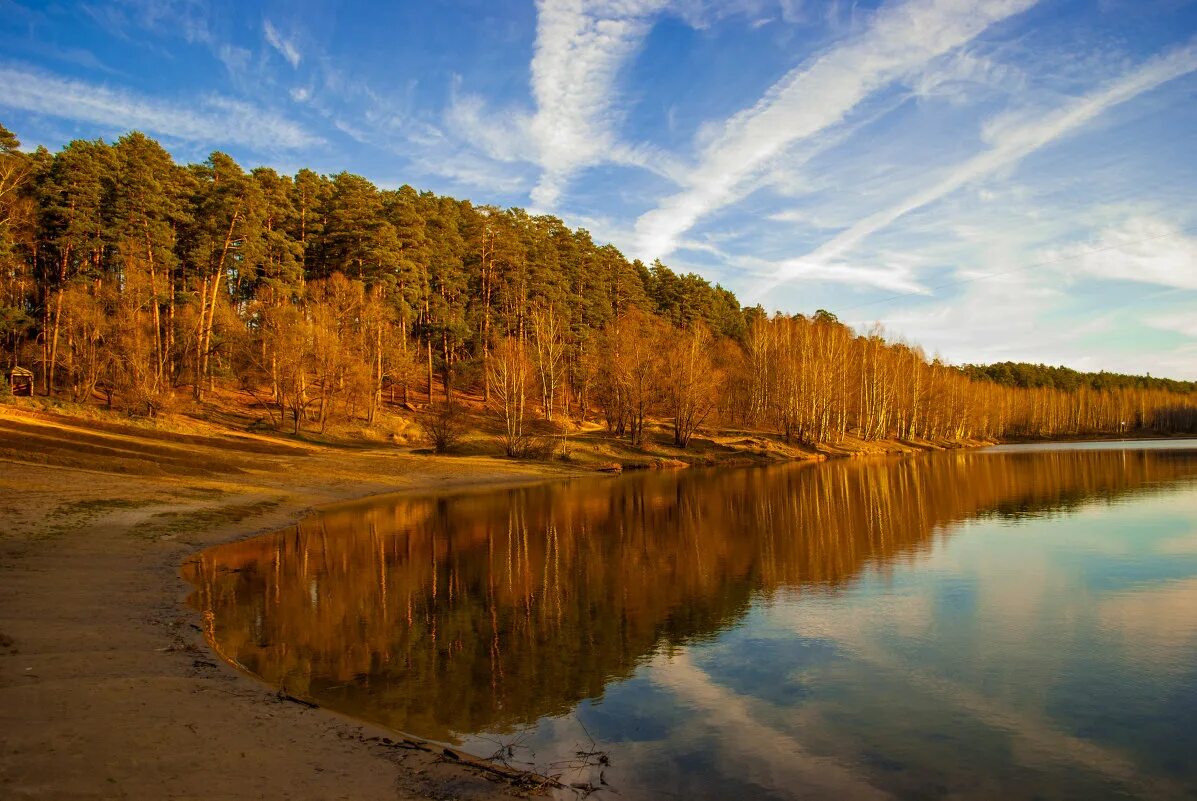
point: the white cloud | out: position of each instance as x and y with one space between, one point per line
1181 323
957 75
894 274
1054 304
580 48
1009 143
704 13
500 134
814 98
579 52
994 320
286 47
808 216
1179 363
185 18
470 171
235 59
1144 250
210 120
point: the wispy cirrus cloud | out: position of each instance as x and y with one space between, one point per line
579 52
1116 288
580 48
1011 140
501 135
895 274
813 98
189 19
955 76
286 47
704 13
1180 323
211 119
1142 250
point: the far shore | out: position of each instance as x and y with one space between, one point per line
1146 436
107 687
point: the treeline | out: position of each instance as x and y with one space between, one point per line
820 382
1022 374
126 276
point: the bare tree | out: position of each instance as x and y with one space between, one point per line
549 351
693 386
631 372
443 426
86 325
509 379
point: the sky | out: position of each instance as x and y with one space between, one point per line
990 179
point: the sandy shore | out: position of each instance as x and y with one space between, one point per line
107 688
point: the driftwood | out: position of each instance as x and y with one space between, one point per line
283 695
524 779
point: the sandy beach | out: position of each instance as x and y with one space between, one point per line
107 688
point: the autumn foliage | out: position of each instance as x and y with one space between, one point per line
130 280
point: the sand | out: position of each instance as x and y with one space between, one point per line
107 688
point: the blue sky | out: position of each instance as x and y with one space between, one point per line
992 179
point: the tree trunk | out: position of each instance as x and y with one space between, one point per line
430 369
210 306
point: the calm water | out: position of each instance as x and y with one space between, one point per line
1012 624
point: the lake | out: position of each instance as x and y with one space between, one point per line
1014 623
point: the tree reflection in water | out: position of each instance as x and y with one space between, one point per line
486 612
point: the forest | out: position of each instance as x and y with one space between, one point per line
1020 374
143 285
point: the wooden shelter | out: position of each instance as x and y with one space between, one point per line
20 381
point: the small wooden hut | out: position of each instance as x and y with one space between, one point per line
20 381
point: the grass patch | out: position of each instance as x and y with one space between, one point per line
200 493
100 505
165 523
71 516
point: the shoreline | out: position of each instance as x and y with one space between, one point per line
1142 437
108 688
96 634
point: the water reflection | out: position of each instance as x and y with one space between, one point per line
688 610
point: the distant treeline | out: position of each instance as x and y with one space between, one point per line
127 276
1022 374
